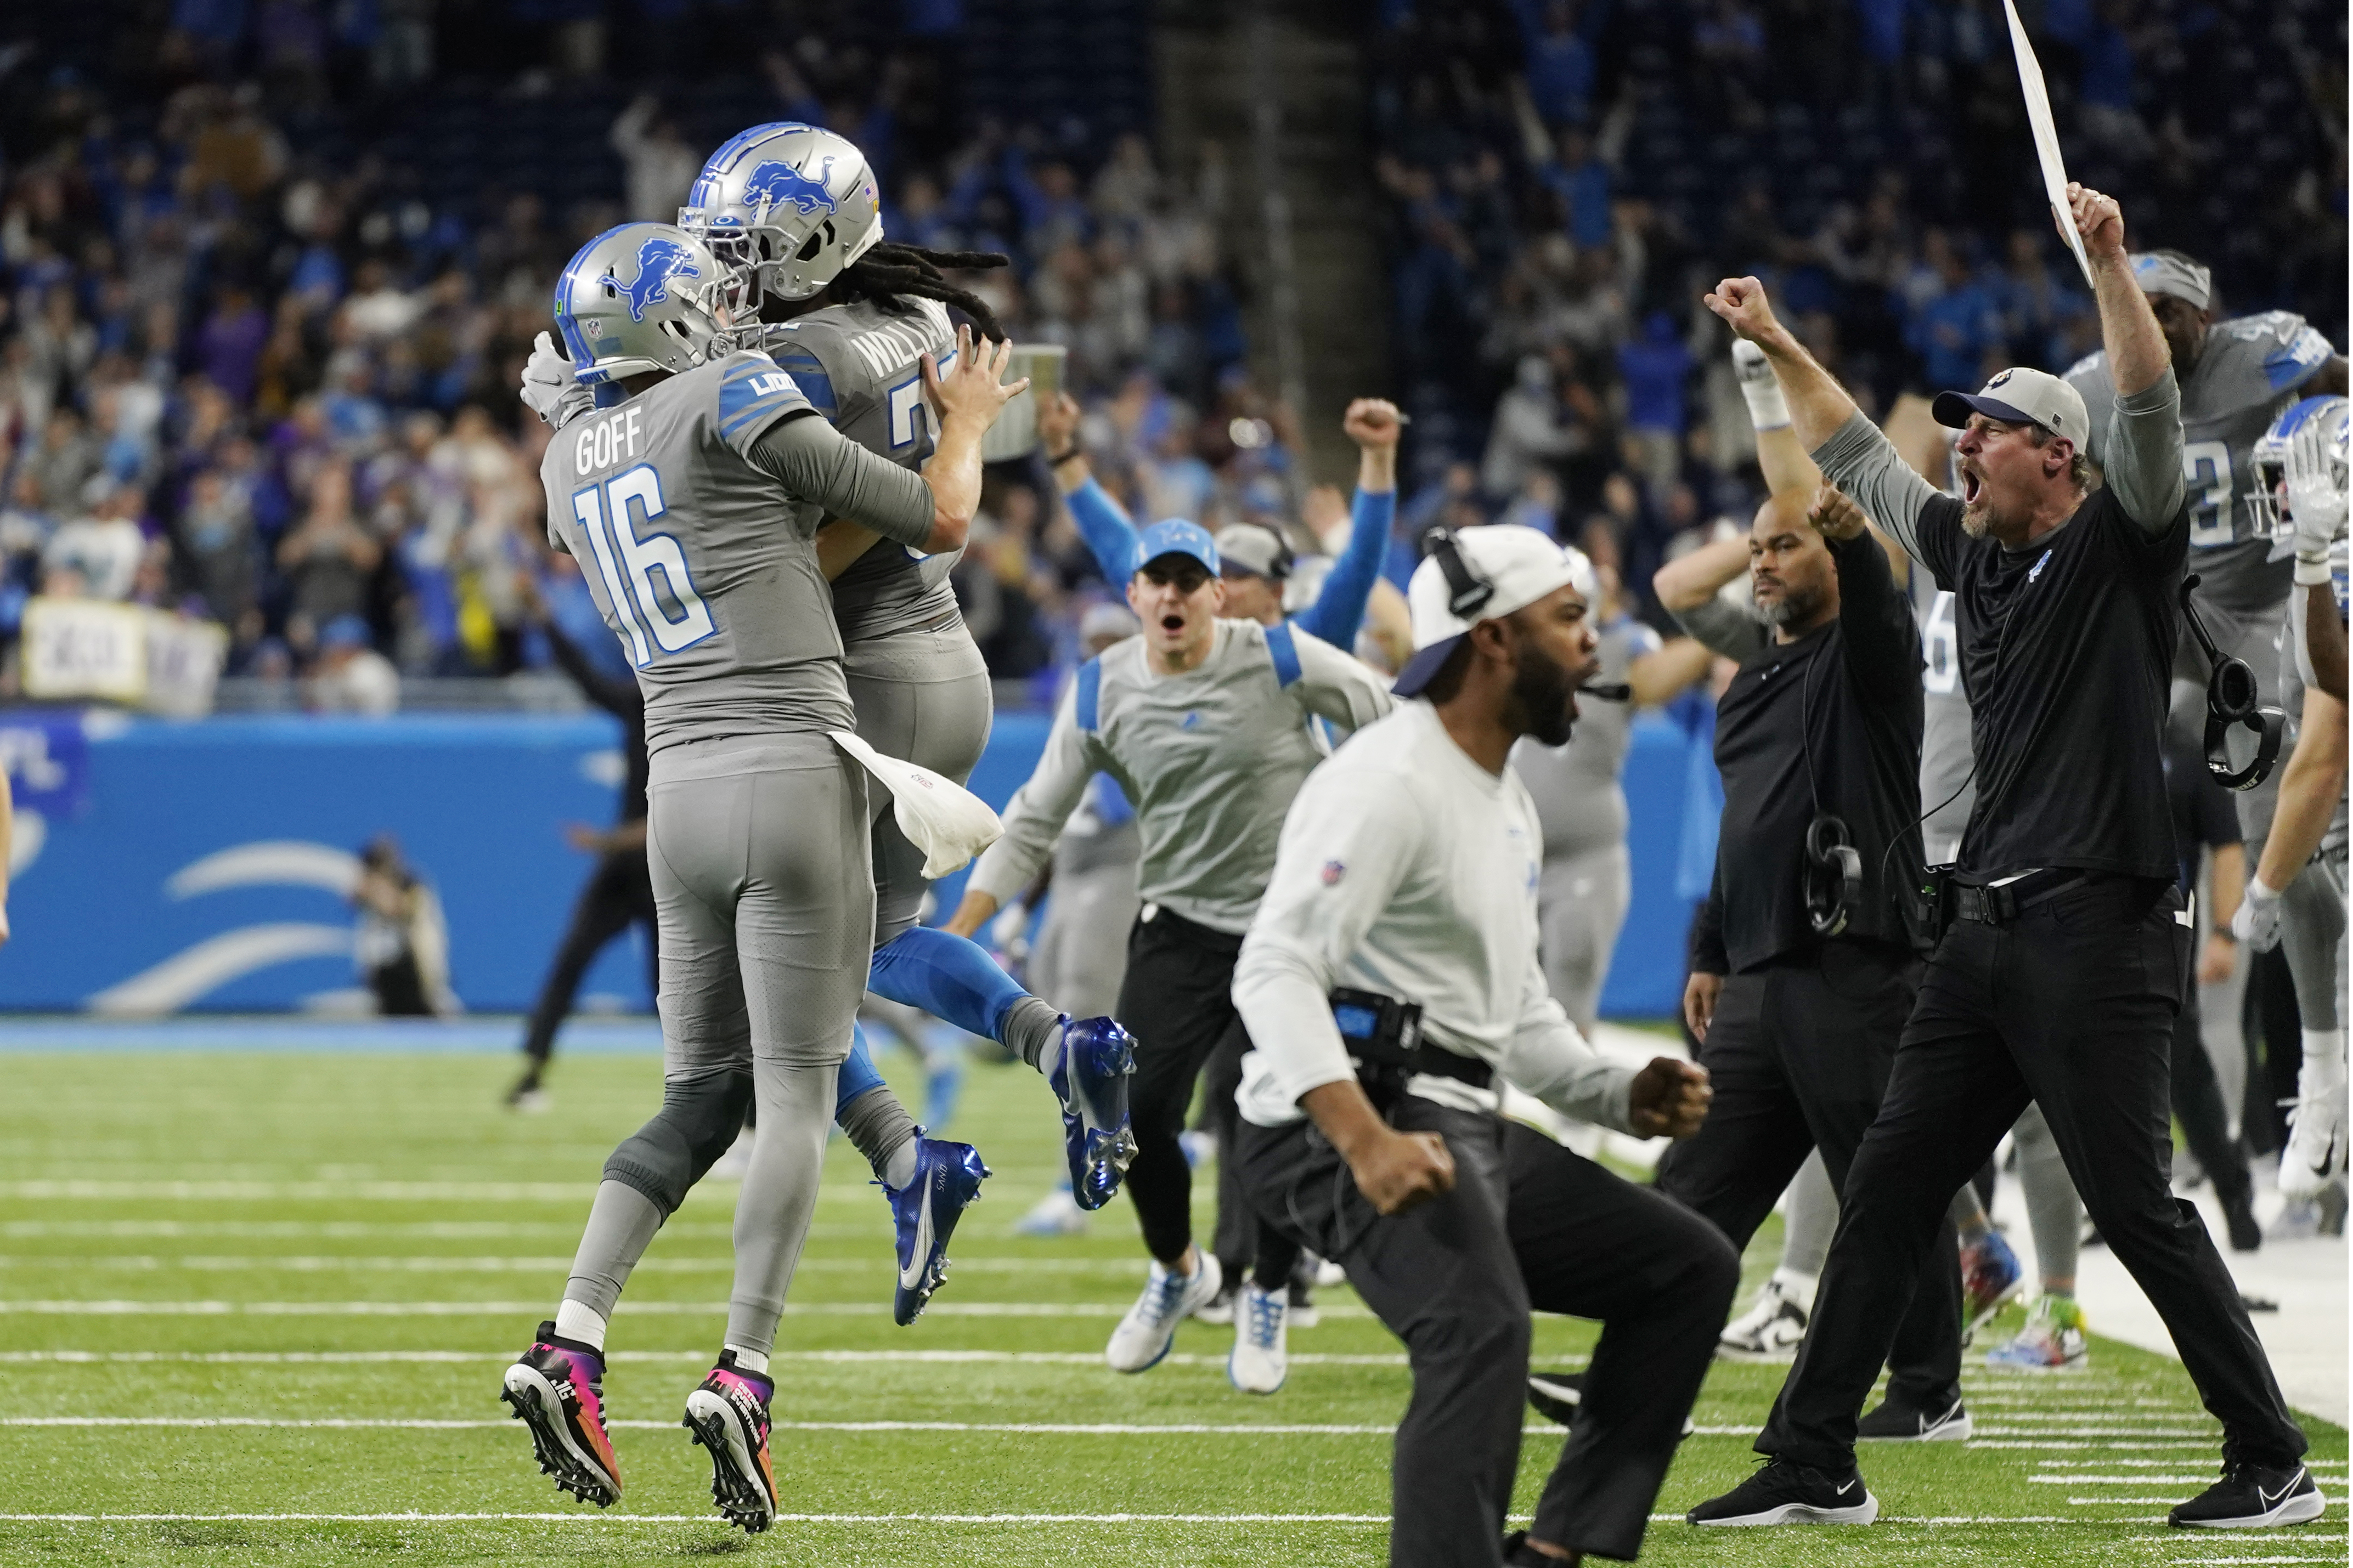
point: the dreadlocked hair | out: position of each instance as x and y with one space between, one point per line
887 272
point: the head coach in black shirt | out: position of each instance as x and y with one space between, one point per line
2062 970
1802 982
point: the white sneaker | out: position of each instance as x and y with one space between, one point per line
1770 1331
2314 1155
1262 1356
1143 1336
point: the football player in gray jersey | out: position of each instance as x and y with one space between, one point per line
692 495
2296 897
2235 376
793 214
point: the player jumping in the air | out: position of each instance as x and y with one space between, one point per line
853 316
692 495
846 314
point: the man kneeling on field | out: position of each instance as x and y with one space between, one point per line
1408 868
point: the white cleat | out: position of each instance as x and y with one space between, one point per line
1262 1353
2314 1155
1145 1335
1770 1331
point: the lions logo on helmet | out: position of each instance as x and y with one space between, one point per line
2314 427
659 261
638 297
780 184
776 206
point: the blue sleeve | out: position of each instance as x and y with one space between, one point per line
1338 610
808 373
1106 530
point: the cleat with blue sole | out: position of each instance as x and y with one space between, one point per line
946 1181
1090 1078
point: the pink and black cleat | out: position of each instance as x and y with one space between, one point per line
558 1390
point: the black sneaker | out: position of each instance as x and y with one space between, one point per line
1783 1493
2252 1497
1557 1395
1897 1422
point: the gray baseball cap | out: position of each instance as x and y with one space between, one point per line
2020 397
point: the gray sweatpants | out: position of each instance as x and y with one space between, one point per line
1581 902
765 894
923 696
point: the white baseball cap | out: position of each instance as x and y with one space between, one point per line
1495 569
2020 397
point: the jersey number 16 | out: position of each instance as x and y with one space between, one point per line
627 561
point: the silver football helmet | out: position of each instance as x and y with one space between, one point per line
2317 426
638 297
784 207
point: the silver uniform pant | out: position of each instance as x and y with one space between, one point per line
765 895
2312 934
1581 902
923 696
1081 956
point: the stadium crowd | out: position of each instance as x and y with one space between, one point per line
249 372
1868 159
255 383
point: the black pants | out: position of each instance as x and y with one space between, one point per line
1799 1056
1661 1280
1177 1001
620 890
2073 1006
1527 1225
2198 1106
1241 1241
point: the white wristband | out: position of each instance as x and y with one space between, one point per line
1767 409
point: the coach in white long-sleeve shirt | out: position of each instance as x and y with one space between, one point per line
1390 979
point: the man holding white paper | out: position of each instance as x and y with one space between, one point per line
2064 943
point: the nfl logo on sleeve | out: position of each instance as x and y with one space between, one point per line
1333 871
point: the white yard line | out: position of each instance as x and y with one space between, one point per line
1214 1519
329 1358
604 1517
117 1309
882 1262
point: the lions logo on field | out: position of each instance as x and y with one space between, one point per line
659 261
781 185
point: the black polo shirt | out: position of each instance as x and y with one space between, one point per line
1829 723
2066 653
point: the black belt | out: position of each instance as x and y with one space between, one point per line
1384 1039
1995 906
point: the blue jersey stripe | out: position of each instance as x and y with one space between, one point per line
1285 652
1090 695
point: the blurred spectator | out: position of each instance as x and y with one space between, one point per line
661 164
350 677
98 552
328 556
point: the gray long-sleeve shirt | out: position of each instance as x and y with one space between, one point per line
1210 758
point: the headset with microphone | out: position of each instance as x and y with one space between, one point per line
1467 593
2233 699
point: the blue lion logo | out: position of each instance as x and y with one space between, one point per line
659 261
781 185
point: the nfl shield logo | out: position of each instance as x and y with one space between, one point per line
1333 871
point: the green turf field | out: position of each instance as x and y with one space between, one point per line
255 1309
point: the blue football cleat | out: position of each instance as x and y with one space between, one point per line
1090 1078
948 1179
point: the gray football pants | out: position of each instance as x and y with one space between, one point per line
765 894
923 696
1081 956
1581 902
